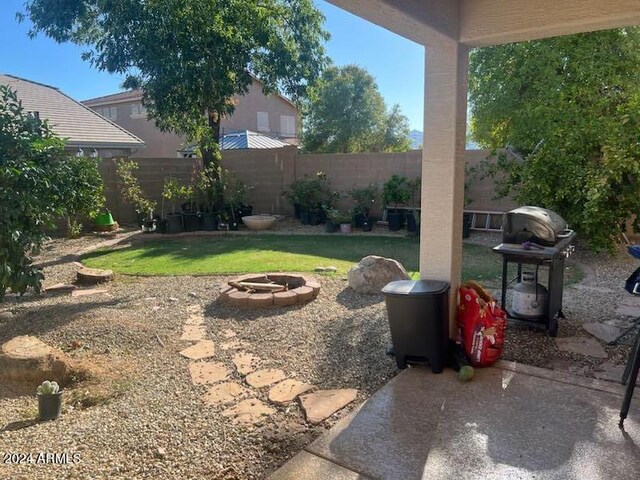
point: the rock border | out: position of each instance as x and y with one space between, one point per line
308 288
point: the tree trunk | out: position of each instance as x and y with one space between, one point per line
210 156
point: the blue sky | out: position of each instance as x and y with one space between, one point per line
397 63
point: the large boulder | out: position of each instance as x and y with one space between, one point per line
373 273
25 362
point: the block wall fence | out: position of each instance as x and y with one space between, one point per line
271 172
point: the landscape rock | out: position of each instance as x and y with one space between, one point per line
284 392
581 345
319 269
6 315
203 373
202 349
93 276
60 288
373 273
322 404
245 362
83 292
606 333
331 269
26 361
251 410
263 378
224 393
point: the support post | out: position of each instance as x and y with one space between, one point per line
443 165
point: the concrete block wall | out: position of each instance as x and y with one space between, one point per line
270 172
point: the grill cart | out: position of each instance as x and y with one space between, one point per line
537 238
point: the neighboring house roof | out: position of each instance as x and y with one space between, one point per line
132 95
69 119
242 140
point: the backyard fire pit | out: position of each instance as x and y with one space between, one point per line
270 290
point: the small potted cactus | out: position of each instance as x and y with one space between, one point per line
49 400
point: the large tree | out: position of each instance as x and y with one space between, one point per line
191 57
570 109
347 114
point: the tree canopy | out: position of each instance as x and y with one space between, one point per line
570 108
347 114
191 57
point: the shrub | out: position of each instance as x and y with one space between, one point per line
364 198
396 191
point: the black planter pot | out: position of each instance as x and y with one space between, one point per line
161 226
316 217
331 227
245 211
412 225
358 219
395 220
296 210
149 225
233 225
467 218
174 223
49 406
209 222
367 225
305 217
191 221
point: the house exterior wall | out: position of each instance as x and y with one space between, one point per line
245 117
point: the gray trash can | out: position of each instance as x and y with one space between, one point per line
418 312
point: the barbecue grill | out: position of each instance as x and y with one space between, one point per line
538 237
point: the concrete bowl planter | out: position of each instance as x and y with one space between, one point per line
259 222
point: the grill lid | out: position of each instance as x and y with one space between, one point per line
533 224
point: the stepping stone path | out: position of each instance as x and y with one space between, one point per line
582 345
203 373
264 378
246 408
194 333
322 404
245 363
285 391
224 393
202 349
606 333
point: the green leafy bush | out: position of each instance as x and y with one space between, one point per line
364 198
130 188
396 191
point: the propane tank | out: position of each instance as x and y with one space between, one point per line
529 298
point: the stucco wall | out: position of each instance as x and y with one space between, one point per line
271 172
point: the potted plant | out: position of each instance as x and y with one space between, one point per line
209 191
345 222
49 400
413 187
395 192
173 192
234 191
334 216
312 194
363 198
132 194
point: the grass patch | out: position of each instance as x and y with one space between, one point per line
272 253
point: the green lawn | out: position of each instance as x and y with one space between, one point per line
272 253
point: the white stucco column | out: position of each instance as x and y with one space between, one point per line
443 162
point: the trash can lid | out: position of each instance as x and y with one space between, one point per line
415 287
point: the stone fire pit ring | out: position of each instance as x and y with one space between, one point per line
301 289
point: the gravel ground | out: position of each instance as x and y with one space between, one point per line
337 341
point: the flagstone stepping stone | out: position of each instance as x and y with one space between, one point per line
628 310
224 393
203 373
194 309
60 288
194 333
202 349
322 404
92 276
581 345
88 291
285 391
250 410
265 377
245 362
194 320
228 333
606 333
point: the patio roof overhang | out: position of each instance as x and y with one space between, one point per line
448 29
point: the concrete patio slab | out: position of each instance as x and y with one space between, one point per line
305 466
511 421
